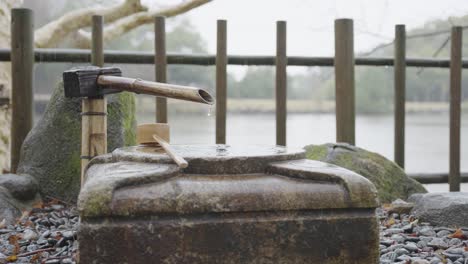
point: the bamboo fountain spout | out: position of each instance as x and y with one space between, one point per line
94 82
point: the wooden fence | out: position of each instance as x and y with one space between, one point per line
22 55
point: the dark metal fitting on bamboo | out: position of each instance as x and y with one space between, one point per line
96 82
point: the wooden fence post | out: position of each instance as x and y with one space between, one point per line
400 90
22 64
281 83
94 110
455 107
221 81
160 62
344 81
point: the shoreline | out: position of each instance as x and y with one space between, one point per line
267 106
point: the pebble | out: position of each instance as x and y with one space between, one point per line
401 251
29 234
398 238
411 246
443 233
427 231
392 231
438 243
387 242
391 256
420 261
455 242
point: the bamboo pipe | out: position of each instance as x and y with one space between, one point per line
157 89
174 156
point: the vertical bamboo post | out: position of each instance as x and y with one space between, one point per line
160 62
344 81
455 107
22 63
94 110
400 90
221 81
281 83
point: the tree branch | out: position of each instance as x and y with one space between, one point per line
53 33
421 35
130 22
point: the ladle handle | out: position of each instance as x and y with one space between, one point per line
176 158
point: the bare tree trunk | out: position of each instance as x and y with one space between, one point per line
121 19
53 33
5 81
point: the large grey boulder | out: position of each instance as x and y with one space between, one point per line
442 209
17 193
21 187
51 151
390 180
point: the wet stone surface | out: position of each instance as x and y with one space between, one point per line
47 234
232 204
214 159
406 240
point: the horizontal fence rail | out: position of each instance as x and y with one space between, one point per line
122 57
428 178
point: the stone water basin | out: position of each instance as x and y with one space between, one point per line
232 204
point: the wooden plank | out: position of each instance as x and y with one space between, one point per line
344 81
455 108
281 83
400 91
221 81
160 63
22 64
94 127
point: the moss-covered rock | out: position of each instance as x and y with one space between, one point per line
51 151
389 179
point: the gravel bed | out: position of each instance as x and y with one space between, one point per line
46 235
405 240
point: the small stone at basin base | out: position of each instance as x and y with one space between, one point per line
442 209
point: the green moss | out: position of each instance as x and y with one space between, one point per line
97 204
121 110
316 152
389 179
4 138
67 173
129 122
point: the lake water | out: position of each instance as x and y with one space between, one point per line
427 135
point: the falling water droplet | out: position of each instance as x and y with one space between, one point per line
209 111
221 150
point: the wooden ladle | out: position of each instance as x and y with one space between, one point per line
174 156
